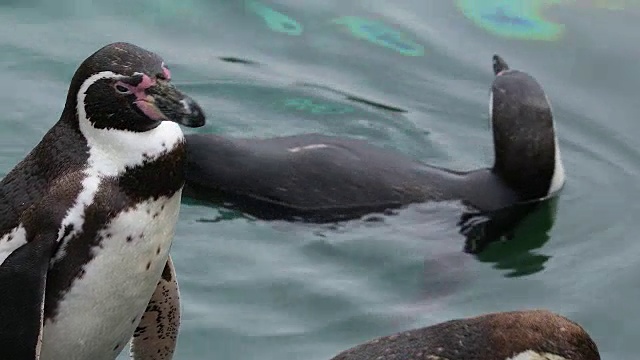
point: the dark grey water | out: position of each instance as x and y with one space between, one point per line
253 289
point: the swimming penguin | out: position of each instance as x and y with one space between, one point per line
321 178
88 216
515 335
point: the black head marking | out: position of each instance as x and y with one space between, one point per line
122 58
126 87
523 132
499 64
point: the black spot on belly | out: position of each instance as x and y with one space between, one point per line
158 250
116 347
108 235
162 207
156 178
148 265
129 238
9 238
156 215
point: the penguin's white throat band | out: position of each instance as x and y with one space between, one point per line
111 151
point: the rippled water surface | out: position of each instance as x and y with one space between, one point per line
254 289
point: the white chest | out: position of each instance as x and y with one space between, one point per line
99 314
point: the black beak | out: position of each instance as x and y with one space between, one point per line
173 105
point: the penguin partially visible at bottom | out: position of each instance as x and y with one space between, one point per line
87 218
319 178
514 335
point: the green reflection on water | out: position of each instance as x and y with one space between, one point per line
380 34
276 21
314 107
522 19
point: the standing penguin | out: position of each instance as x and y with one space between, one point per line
88 217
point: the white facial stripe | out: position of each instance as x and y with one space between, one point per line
532 355
111 152
82 93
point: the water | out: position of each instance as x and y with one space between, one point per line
253 289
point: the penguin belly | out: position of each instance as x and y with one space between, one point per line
100 311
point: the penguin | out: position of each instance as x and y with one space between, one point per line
87 218
321 178
512 335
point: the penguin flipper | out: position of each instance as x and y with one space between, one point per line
157 333
23 273
22 288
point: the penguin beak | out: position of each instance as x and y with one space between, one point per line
163 102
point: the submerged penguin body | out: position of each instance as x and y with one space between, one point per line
321 178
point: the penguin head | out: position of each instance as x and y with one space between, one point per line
525 144
124 87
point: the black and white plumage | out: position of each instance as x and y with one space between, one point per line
88 217
321 178
527 154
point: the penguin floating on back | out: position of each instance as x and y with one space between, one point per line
321 178
88 216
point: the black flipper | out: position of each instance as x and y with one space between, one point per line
22 286
499 64
23 274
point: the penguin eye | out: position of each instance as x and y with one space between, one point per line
122 89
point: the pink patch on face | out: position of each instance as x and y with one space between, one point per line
166 72
146 82
140 90
144 102
150 109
